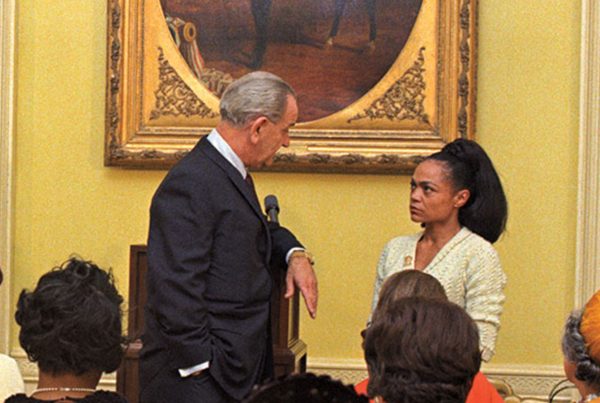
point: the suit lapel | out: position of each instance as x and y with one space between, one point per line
236 178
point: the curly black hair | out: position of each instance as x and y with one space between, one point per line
71 322
305 388
421 350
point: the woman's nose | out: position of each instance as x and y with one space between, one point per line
414 194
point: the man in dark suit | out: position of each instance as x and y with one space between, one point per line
210 249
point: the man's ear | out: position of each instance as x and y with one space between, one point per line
461 198
255 127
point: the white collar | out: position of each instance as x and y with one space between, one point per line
227 152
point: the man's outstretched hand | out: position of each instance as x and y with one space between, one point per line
300 274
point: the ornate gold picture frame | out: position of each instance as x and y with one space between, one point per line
162 97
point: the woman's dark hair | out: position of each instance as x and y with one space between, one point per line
408 283
421 350
71 322
305 388
469 167
576 351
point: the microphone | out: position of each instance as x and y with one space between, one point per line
272 208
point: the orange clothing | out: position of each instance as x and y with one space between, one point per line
482 390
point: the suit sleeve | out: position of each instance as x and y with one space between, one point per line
282 240
179 246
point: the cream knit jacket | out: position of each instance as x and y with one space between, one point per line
469 269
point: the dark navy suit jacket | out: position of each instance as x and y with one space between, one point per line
209 285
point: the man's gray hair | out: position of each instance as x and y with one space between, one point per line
256 94
575 351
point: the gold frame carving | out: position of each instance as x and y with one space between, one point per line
156 109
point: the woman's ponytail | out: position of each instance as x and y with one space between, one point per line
470 168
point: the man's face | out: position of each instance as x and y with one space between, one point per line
272 136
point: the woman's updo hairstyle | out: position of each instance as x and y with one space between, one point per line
71 322
469 167
581 342
421 350
408 283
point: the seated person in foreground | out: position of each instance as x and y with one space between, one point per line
305 388
581 349
415 283
421 350
11 381
71 327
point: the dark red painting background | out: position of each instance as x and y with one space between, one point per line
326 78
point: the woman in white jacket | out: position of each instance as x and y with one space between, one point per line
458 199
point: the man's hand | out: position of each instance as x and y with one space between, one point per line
300 274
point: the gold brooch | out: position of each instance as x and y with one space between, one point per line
407 260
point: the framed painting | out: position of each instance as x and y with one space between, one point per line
380 83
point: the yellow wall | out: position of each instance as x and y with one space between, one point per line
67 201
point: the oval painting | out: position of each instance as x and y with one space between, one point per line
331 51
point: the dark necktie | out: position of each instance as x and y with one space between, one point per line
250 183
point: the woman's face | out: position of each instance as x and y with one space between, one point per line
433 199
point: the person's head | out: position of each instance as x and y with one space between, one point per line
305 388
265 106
409 283
581 346
71 322
421 350
460 179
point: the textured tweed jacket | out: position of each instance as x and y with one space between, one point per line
469 269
